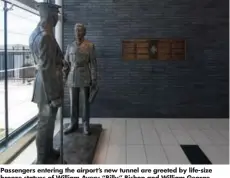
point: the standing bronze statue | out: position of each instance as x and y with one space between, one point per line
48 87
82 76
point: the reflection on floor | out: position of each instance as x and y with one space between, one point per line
154 141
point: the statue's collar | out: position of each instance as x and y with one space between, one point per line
78 43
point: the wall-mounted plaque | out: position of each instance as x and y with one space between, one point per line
129 50
178 49
142 49
158 49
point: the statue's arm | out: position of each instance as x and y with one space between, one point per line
93 64
48 69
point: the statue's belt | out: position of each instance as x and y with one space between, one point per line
77 66
38 67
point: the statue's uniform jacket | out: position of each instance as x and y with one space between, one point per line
82 63
48 57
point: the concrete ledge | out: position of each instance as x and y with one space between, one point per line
12 152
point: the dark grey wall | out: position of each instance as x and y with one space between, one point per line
197 87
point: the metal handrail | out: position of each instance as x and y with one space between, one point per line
16 5
18 68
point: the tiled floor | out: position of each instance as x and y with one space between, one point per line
155 141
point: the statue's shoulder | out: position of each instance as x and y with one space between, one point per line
89 43
71 45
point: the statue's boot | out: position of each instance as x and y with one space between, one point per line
86 112
46 154
55 154
73 126
74 111
42 151
86 128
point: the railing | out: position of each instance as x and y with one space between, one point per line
20 65
23 74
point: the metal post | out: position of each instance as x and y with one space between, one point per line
6 67
61 134
59 38
23 65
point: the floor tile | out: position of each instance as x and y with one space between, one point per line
167 138
203 124
150 137
175 155
175 125
183 137
189 124
161 125
220 124
199 137
216 154
224 133
116 154
136 154
133 133
95 120
155 155
148 122
106 123
118 132
216 137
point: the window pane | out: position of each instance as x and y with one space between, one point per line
21 70
2 76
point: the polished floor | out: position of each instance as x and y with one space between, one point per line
154 141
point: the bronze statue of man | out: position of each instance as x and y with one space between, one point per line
48 87
82 75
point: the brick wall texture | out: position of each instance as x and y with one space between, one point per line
196 87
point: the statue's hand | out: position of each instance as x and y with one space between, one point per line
64 79
56 103
94 83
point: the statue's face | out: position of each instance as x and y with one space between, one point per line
55 19
80 32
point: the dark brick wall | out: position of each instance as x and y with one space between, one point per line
197 87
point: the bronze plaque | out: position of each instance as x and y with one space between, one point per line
142 56
129 50
129 56
178 49
157 49
163 49
142 44
143 51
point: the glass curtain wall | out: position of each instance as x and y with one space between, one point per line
17 70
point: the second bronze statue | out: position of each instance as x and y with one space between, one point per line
81 75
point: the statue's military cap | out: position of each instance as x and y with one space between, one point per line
46 8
